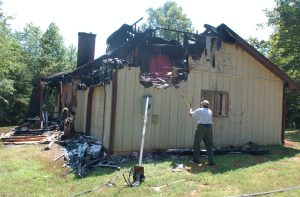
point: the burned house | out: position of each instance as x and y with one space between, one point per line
107 95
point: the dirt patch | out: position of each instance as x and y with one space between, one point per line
272 170
238 163
283 163
288 143
296 159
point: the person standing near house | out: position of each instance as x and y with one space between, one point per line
203 132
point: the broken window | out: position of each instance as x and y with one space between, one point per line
218 102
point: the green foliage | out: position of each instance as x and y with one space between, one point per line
168 16
283 48
27 54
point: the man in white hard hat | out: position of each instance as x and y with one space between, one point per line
203 132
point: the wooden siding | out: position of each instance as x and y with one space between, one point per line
254 105
80 120
97 113
108 100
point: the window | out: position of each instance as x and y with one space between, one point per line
218 102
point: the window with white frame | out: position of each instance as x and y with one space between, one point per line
218 102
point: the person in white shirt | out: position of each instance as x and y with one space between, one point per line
203 132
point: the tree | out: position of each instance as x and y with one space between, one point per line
53 57
283 48
168 16
14 76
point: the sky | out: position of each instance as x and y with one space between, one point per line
104 17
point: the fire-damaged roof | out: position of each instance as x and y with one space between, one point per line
171 52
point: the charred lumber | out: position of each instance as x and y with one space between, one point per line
49 145
60 156
21 143
107 166
81 170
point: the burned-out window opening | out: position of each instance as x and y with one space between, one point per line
218 102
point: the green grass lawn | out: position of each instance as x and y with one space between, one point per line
25 171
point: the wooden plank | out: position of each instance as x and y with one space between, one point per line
138 117
256 100
220 60
245 64
120 110
249 111
257 66
157 105
261 117
266 113
197 98
239 62
278 112
244 114
231 112
189 139
226 58
251 67
224 121
238 112
107 118
128 109
272 120
182 108
218 130
172 143
149 131
165 118
233 61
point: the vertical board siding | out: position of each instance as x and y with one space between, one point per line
149 126
172 143
254 95
97 113
120 111
128 109
157 105
165 118
80 120
107 120
137 118
189 96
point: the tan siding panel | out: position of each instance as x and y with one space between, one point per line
128 110
224 120
175 95
189 139
226 59
278 112
233 52
231 111
165 118
256 96
244 114
157 105
138 117
97 113
272 120
239 62
266 113
217 123
260 106
107 120
238 135
249 110
182 107
149 135
120 110
245 64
